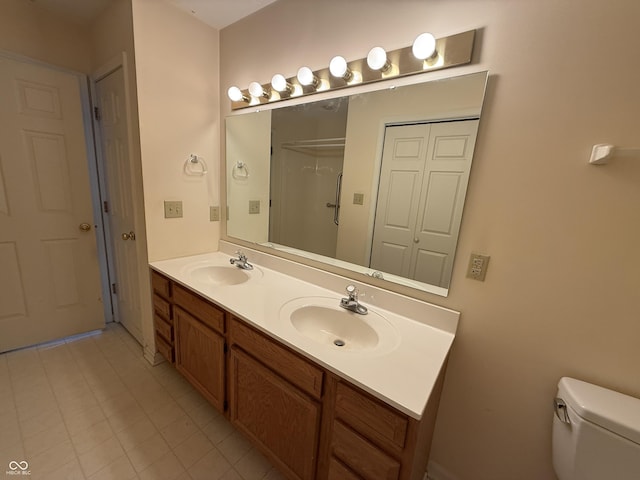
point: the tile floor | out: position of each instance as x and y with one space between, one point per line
93 408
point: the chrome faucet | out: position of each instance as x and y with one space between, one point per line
241 261
351 302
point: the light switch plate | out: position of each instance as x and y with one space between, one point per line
478 264
214 214
358 198
254 206
173 209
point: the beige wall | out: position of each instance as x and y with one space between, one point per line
561 293
177 76
30 31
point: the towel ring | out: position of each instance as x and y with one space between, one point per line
238 168
195 166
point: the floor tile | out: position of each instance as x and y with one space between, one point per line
167 468
101 456
179 430
234 447
92 408
210 467
253 466
193 449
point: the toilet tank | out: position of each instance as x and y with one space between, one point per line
599 435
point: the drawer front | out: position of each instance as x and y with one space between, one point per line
164 328
204 311
164 348
161 306
287 364
361 456
161 285
370 417
337 471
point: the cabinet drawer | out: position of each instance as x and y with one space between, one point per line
204 311
164 348
287 364
361 456
161 285
163 328
161 306
370 417
337 471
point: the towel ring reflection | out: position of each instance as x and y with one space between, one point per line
195 166
238 170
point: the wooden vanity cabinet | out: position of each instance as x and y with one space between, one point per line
274 399
364 438
163 316
200 344
310 423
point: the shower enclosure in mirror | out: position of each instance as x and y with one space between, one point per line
374 183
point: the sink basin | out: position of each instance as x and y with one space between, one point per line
321 320
218 275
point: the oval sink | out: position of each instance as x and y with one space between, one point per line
321 319
220 275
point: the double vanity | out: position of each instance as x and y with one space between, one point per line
324 390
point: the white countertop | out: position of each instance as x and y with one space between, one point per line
403 377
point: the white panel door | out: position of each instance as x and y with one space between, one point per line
444 186
50 281
402 170
114 145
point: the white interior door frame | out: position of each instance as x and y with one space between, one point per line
94 177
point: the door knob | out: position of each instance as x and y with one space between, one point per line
84 227
416 240
129 236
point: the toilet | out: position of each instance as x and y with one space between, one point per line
596 433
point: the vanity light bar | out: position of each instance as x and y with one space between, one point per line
450 51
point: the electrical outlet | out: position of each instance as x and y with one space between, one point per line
358 198
214 214
254 206
478 266
173 209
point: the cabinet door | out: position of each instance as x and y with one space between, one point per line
277 416
200 356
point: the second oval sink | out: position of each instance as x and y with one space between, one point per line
322 320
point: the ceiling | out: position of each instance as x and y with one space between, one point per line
216 13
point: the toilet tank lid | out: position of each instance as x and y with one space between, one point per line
611 410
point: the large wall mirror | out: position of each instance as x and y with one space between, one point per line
374 182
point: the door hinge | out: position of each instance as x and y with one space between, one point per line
105 206
113 288
96 113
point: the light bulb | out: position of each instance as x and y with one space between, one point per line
280 84
256 90
424 46
306 77
236 95
338 68
377 59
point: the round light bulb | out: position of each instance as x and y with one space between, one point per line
306 76
279 83
256 90
424 46
235 94
377 59
338 67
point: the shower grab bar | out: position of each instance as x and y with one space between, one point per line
336 205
